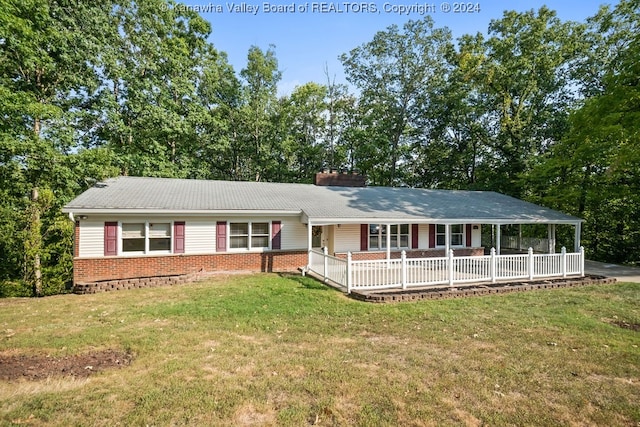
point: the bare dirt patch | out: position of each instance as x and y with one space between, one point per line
627 325
37 367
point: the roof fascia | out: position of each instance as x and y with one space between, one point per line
181 212
404 220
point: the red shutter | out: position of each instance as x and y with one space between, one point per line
432 235
468 235
364 237
414 236
178 237
221 236
110 238
276 237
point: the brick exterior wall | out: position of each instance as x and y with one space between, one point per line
87 270
412 253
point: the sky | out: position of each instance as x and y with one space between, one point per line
309 36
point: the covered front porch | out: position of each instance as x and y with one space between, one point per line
407 273
442 253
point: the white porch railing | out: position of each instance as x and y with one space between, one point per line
406 272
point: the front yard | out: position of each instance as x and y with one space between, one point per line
265 349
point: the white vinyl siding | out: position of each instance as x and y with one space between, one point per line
347 238
200 233
199 236
423 236
293 235
91 239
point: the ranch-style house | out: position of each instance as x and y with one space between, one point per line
340 229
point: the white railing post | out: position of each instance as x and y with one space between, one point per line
403 264
349 284
563 265
582 261
325 251
450 266
531 263
493 265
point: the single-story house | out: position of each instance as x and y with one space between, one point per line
131 227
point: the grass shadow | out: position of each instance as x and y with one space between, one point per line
308 282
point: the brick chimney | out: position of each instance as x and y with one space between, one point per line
339 179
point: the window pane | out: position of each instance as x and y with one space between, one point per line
260 228
404 241
239 229
373 242
404 229
260 242
374 229
456 228
440 228
394 241
160 230
132 230
456 240
133 245
159 244
236 242
440 240
394 229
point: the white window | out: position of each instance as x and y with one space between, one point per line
146 237
133 237
399 236
457 235
249 235
159 236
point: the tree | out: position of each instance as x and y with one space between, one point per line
261 77
45 79
398 74
149 111
522 74
594 170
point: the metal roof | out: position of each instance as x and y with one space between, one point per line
317 204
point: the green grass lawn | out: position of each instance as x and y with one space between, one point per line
269 350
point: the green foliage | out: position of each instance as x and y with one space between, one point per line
538 108
594 170
399 74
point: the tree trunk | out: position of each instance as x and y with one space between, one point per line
34 235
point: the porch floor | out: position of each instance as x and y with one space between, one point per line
478 289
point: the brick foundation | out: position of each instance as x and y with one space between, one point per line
89 270
412 253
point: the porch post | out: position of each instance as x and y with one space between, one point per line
325 267
576 240
498 237
403 259
388 241
551 235
309 243
447 238
519 237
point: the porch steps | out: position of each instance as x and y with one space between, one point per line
472 290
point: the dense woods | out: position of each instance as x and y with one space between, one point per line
535 107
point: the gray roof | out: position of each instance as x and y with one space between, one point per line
316 203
